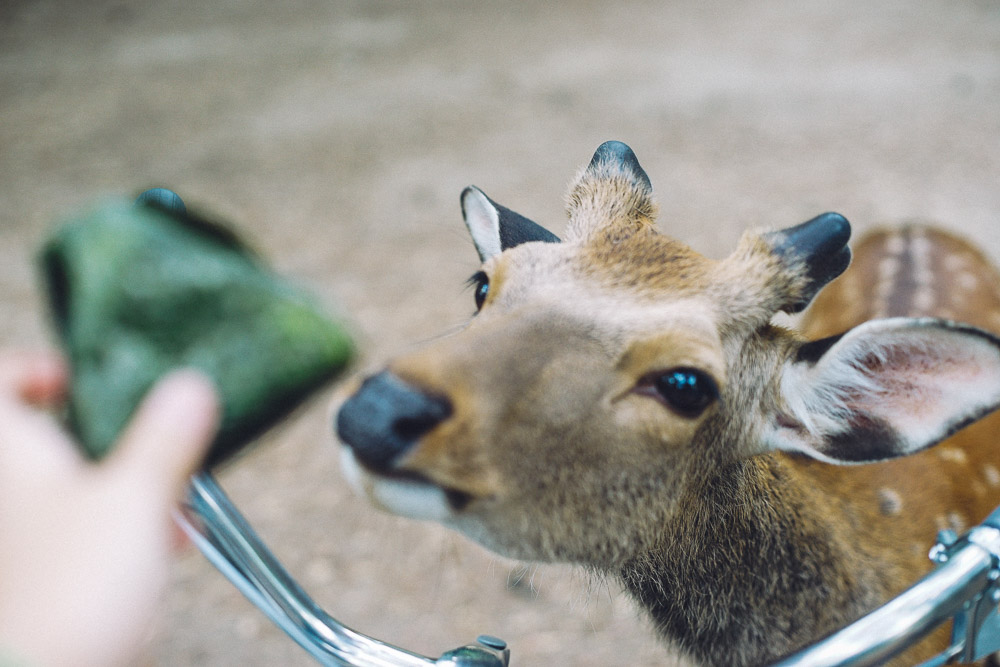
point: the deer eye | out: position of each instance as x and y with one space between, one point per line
688 391
481 288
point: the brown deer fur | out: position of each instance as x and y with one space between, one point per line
741 547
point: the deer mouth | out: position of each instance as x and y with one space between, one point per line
403 492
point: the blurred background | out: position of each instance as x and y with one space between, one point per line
338 135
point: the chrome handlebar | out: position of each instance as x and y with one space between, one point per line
965 586
962 587
229 542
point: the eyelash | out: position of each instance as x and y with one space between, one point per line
480 283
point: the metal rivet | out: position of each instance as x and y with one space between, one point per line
490 641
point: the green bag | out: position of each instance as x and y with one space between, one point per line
138 290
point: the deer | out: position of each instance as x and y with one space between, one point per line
623 403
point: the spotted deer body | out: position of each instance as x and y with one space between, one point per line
623 403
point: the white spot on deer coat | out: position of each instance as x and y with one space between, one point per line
888 268
950 521
895 244
952 455
920 246
956 262
889 502
991 475
924 300
920 255
967 280
883 289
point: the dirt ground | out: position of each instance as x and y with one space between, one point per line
338 136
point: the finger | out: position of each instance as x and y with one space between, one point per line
36 377
32 445
170 433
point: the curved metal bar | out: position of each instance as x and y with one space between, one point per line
962 587
230 543
888 630
963 578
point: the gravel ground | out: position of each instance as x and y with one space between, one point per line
338 136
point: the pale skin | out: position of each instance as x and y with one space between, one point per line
85 548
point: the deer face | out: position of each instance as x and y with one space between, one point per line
603 378
536 395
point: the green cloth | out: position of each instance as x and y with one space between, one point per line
137 291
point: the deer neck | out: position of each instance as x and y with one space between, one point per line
754 553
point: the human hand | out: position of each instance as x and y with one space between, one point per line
85 548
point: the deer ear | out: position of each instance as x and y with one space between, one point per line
885 389
495 228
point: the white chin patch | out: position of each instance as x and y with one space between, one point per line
411 498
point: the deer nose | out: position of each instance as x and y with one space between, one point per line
386 417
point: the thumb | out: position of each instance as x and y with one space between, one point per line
171 430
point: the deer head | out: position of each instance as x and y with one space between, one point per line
609 377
